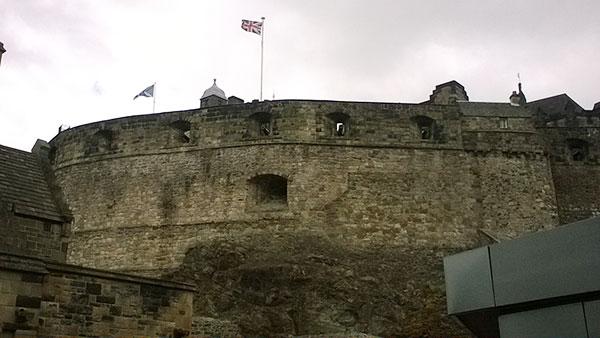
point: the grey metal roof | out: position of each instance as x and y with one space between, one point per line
214 90
554 263
540 272
23 185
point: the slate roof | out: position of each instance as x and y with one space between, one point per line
556 105
23 185
492 109
450 83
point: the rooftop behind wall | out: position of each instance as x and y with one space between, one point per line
30 219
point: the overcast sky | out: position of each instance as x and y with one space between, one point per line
78 61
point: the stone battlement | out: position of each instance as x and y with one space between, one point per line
331 123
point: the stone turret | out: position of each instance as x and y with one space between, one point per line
448 93
213 96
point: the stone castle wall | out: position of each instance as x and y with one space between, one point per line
26 235
44 299
344 188
377 206
576 180
148 178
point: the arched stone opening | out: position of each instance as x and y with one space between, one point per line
101 141
578 149
267 192
182 130
425 126
339 124
261 124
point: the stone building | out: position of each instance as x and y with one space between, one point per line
41 295
296 217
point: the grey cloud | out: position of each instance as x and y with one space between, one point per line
382 50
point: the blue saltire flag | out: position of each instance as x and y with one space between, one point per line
148 92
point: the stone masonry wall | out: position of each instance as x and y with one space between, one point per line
576 181
347 194
56 300
211 327
357 246
31 236
163 200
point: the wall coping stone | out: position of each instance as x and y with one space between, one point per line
11 261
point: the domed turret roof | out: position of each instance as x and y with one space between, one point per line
214 90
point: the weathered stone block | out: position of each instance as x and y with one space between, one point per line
105 299
49 309
8 299
94 288
32 278
115 310
80 298
28 302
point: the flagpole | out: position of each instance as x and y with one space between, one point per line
153 97
262 39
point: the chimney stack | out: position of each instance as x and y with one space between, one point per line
514 99
518 99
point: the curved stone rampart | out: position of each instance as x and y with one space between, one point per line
369 124
261 189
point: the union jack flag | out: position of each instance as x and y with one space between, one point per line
252 26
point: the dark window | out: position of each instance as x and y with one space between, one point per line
183 130
425 132
101 141
265 128
340 124
261 124
340 129
425 127
52 155
268 191
578 149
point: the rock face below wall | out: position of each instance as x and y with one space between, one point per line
309 282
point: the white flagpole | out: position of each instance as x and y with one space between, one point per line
262 39
153 97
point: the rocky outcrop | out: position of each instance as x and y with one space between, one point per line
308 282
